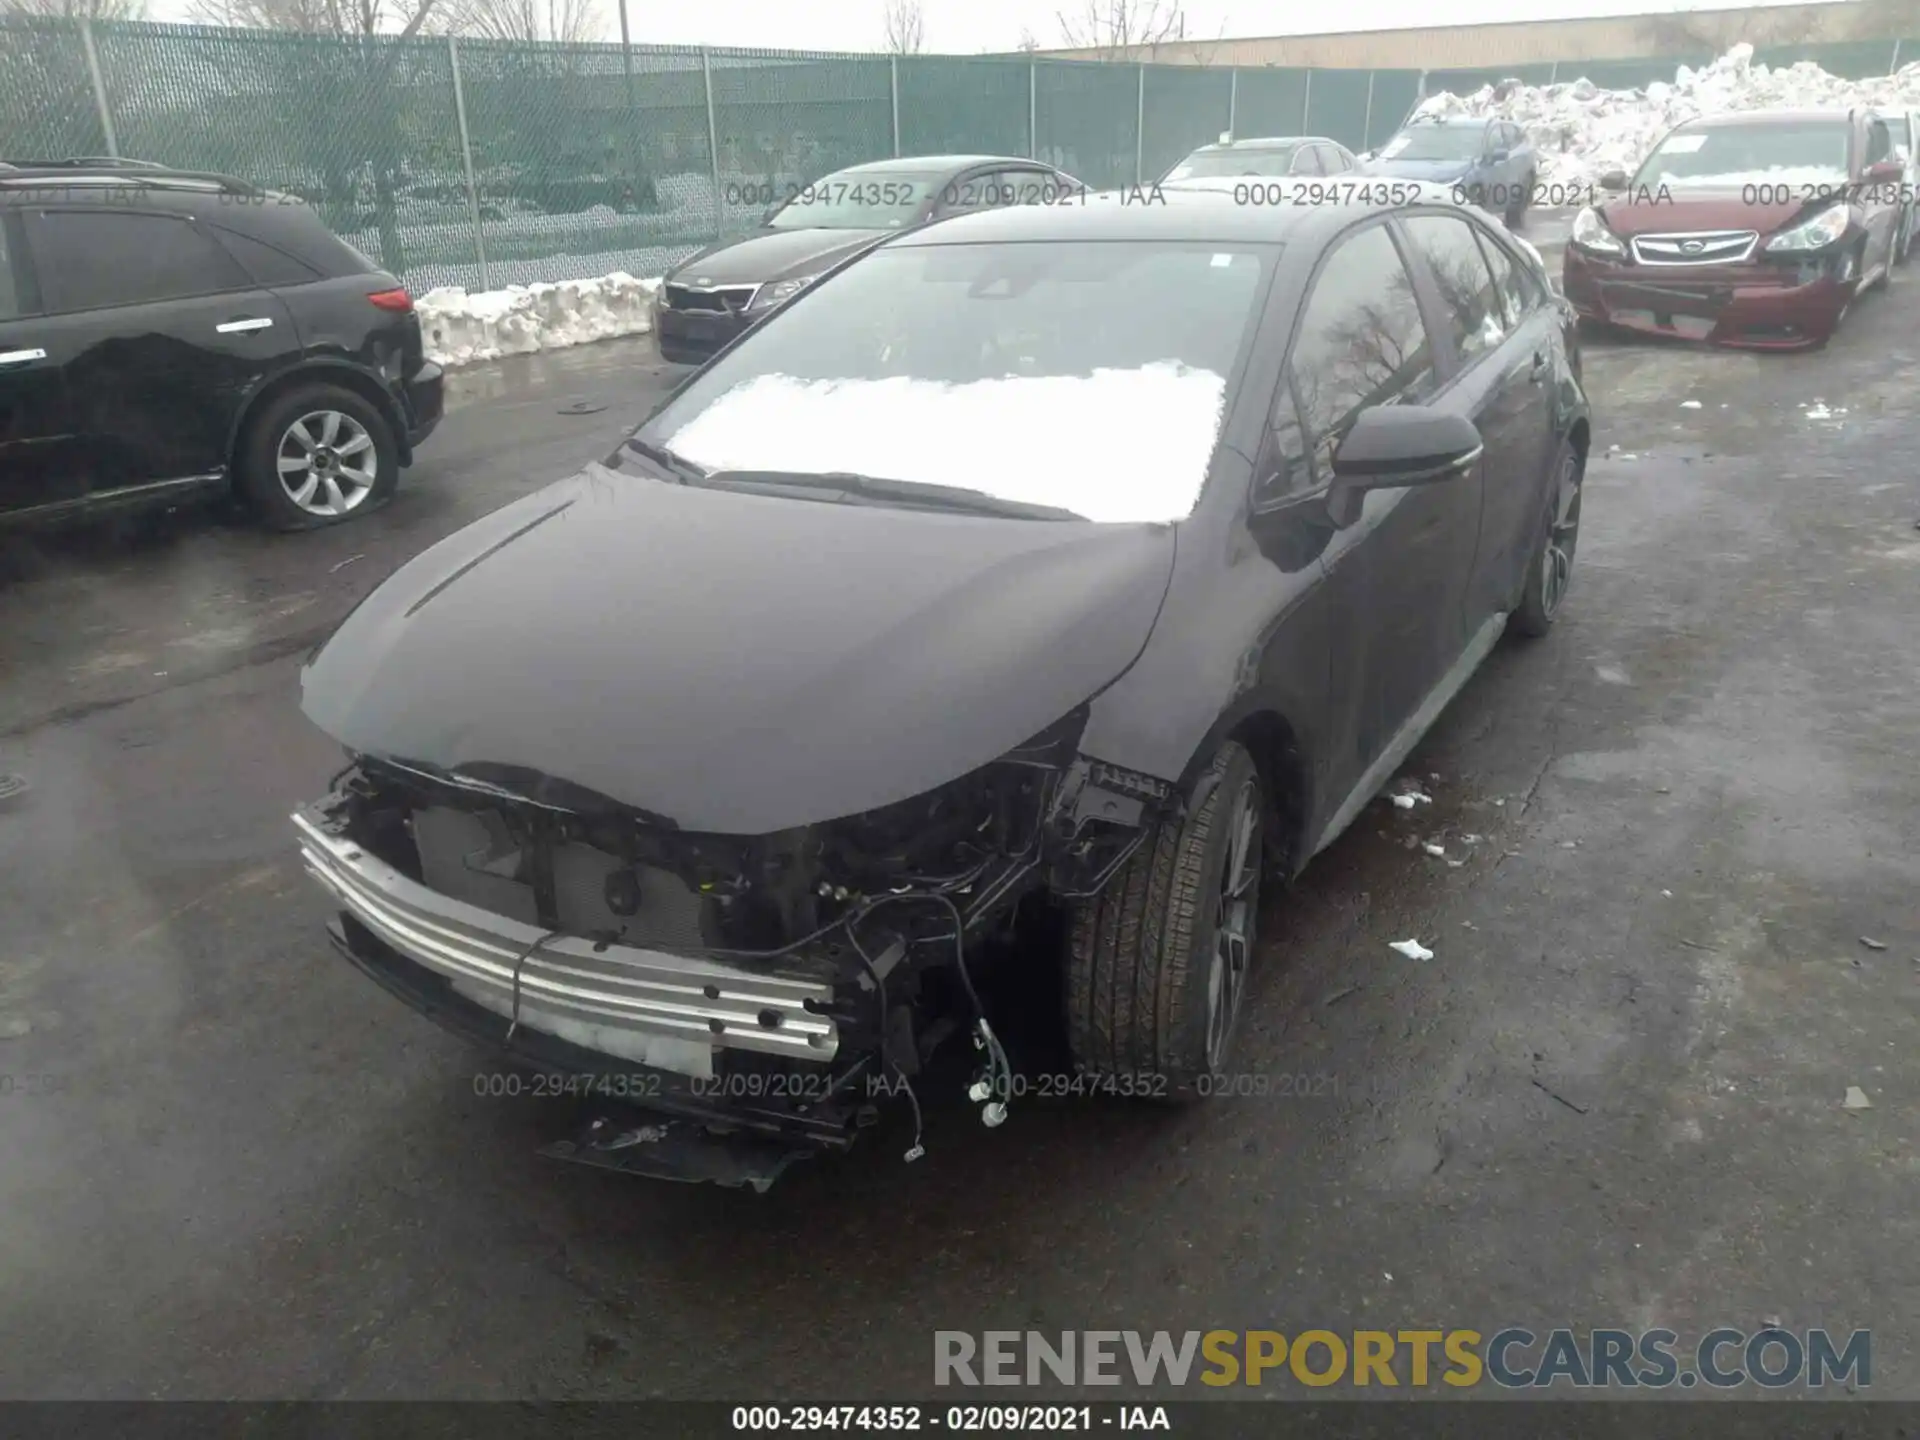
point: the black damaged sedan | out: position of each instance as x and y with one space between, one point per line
1097 561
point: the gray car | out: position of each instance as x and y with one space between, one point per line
1268 157
720 292
1486 160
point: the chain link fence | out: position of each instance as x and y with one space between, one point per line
486 163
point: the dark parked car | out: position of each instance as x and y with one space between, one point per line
1106 558
715 295
1270 157
166 334
1489 162
1755 230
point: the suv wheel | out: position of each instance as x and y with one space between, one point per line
1550 572
316 456
1157 963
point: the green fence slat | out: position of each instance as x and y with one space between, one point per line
1855 59
585 164
1185 107
361 127
591 158
1337 106
46 95
1088 113
1272 100
784 122
958 105
1395 93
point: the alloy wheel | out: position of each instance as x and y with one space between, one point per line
327 463
1563 531
1235 913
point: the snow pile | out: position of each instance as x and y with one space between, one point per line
462 328
1581 131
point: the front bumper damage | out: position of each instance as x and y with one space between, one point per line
1757 304
720 1005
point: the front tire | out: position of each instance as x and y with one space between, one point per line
1517 206
1550 571
316 456
1157 962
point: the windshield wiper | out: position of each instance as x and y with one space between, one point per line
956 498
678 466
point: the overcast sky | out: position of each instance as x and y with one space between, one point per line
971 26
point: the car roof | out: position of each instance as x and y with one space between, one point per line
1768 117
919 164
158 186
1186 212
1265 142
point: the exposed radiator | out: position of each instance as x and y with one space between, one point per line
471 857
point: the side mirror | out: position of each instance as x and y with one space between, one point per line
1497 157
1886 172
1614 180
1391 446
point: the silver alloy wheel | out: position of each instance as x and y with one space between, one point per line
327 462
1563 531
1233 921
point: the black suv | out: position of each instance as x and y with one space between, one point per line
165 333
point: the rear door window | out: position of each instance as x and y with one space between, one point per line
94 259
1468 296
267 264
1879 142
1517 298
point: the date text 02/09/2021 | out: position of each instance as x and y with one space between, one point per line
950 1419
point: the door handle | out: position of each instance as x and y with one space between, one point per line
21 357
1539 366
238 327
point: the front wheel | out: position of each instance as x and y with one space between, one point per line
1157 962
1517 204
1550 571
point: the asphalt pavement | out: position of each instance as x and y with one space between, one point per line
231 1167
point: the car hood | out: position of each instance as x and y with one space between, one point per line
1651 210
1420 169
735 663
768 255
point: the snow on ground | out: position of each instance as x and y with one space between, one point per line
1581 131
461 328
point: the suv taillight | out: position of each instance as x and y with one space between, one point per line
396 300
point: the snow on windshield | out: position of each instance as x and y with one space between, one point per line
1731 155
1086 375
1073 441
1581 131
1789 175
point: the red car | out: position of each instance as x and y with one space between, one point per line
1754 230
